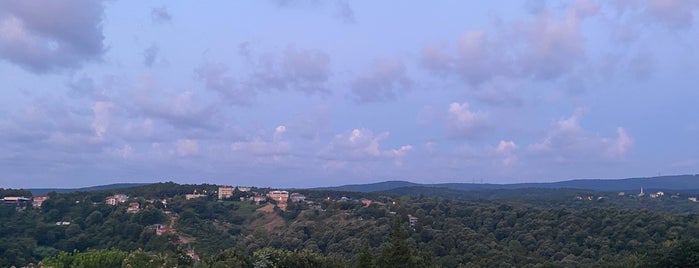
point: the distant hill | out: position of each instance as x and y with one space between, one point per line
679 182
371 187
40 191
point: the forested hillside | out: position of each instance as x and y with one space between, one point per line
348 229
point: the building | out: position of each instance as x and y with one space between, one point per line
297 197
243 189
116 199
225 192
412 220
279 196
257 198
366 202
19 201
162 229
641 193
693 199
657 195
38 200
192 196
133 207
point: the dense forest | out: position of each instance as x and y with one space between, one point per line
514 228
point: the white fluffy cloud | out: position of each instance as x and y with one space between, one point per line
567 141
263 148
463 122
360 145
506 150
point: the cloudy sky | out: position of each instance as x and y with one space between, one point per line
298 93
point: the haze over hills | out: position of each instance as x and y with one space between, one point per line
677 182
38 191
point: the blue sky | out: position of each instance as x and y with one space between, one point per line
295 93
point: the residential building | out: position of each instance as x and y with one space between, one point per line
297 197
693 199
412 220
38 200
19 201
243 188
279 196
257 198
225 192
366 202
657 195
192 196
133 207
116 199
162 229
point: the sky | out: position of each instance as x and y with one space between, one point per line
304 93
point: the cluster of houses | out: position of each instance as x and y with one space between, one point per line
21 202
656 195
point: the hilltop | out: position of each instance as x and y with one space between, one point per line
677 182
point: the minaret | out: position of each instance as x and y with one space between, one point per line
642 193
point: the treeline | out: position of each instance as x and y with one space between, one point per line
334 232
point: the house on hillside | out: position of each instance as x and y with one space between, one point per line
657 195
162 229
279 196
243 188
133 207
116 199
297 197
366 202
412 220
38 200
192 196
225 192
257 198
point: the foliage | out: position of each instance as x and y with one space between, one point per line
104 258
500 228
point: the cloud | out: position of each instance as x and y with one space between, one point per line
160 15
305 70
506 150
382 83
567 141
361 145
216 79
476 58
554 45
102 118
45 36
462 122
671 14
150 54
674 14
302 70
183 110
345 11
125 152
263 149
187 147
545 47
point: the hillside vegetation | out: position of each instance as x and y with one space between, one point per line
547 229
